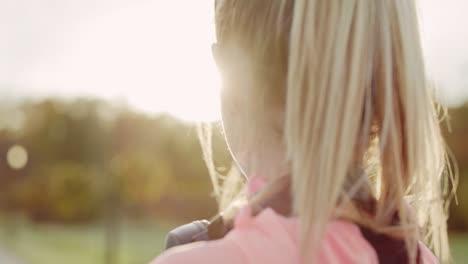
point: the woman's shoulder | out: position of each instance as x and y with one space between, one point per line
271 238
253 240
427 257
219 251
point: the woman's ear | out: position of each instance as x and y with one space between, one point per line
216 54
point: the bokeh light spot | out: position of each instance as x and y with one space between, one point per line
17 157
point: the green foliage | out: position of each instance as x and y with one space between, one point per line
86 156
64 191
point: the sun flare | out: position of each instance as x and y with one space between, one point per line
144 54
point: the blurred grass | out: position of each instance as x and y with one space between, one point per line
140 243
54 244
459 243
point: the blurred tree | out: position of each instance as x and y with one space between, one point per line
85 155
456 132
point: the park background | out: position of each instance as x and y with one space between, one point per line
99 103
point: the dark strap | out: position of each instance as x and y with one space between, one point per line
389 250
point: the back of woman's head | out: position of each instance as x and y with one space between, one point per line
345 81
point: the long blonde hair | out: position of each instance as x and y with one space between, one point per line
350 77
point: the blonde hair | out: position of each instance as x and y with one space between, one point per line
350 77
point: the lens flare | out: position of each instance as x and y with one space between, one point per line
17 157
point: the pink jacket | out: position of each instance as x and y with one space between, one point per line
272 238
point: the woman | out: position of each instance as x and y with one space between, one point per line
327 111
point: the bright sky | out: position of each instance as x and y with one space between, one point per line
155 54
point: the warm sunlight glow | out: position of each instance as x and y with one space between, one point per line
155 70
153 55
